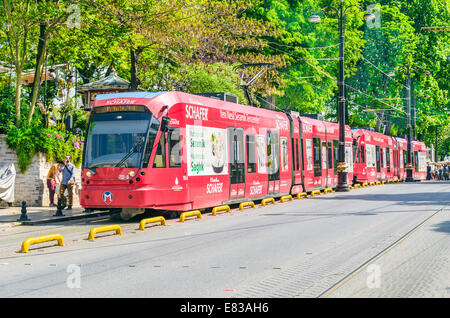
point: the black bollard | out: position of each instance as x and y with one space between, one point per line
23 216
59 209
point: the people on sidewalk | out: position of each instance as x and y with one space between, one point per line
68 180
53 179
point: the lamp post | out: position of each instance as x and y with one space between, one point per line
410 135
342 184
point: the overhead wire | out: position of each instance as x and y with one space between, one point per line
335 80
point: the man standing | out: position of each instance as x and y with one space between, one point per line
67 182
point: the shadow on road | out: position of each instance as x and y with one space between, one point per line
443 227
427 198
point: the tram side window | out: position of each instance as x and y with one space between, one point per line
335 153
160 157
273 156
153 130
330 156
317 158
174 148
362 151
388 159
297 155
324 155
405 158
416 161
251 154
377 156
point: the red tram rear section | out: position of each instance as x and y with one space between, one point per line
173 151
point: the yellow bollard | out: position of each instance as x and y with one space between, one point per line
286 197
196 213
302 194
41 239
244 204
151 220
221 208
265 201
327 190
313 193
103 229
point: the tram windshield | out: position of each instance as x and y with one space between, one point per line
118 139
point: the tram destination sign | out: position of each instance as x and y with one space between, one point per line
119 108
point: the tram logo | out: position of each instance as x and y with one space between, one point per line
107 197
177 187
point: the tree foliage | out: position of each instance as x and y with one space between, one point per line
196 45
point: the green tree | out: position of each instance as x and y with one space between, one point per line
17 19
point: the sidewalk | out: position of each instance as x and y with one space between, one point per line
39 215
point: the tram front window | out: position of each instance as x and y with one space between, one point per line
118 139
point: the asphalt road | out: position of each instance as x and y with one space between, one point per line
304 248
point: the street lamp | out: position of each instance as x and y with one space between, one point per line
409 87
342 184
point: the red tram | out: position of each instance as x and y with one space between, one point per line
174 151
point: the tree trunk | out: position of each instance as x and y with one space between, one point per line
134 59
18 85
40 60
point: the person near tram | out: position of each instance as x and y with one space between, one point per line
67 182
53 180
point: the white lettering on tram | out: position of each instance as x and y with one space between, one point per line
120 101
196 112
214 187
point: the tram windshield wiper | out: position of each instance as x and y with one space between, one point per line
135 149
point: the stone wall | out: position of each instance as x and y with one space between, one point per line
31 186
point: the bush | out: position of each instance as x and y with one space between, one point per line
7 111
28 140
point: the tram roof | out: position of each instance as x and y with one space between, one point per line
156 100
145 95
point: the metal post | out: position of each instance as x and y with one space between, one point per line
23 215
409 172
413 112
59 208
342 184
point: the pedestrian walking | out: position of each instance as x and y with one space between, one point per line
428 172
68 180
53 179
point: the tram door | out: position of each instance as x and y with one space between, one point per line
273 162
236 162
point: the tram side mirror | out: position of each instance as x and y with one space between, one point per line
69 123
165 122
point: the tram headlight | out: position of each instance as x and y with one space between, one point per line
131 173
90 173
